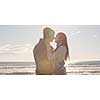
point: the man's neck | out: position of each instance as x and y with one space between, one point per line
46 41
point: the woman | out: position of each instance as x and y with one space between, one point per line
60 54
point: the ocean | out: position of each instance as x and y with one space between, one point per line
28 68
17 68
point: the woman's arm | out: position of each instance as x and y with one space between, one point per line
58 54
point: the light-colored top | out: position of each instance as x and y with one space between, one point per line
57 56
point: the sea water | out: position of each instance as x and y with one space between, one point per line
17 68
81 68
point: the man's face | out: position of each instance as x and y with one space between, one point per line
49 34
51 38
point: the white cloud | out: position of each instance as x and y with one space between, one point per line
15 49
75 33
94 36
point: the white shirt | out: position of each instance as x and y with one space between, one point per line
57 56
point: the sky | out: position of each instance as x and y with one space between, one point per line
18 41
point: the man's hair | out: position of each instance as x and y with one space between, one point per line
48 32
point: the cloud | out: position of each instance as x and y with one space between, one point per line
75 33
94 36
15 49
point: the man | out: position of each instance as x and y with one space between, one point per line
43 65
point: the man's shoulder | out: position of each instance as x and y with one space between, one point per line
36 46
41 42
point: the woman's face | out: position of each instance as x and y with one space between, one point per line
58 39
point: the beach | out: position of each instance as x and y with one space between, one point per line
28 68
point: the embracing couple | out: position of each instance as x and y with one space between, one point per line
50 61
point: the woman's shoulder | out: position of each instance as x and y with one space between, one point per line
62 48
